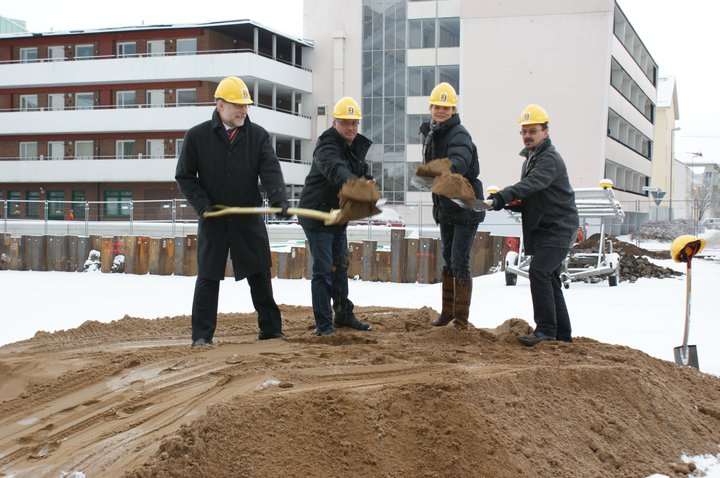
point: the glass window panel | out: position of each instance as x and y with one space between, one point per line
28 55
156 47
283 147
84 51
428 80
428 33
367 74
400 73
117 202
124 148
297 144
126 49
624 132
186 96
187 46
56 101
28 102
56 206
389 18
367 28
413 128
415 33
448 32
56 53
450 74
78 197
125 99
29 150
33 206
389 88
400 17
56 150
84 101
155 98
377 73
84 149
377 31
155 148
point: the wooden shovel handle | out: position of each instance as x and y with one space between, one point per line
328 218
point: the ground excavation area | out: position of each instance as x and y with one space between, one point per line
131 399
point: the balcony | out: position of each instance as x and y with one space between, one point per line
142 119
204 65
112 171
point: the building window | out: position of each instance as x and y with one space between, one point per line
56 204
626 86
448 32
84 101
84 149
155 98
56 150
28 55
117 203
622 131
421 33
283 148
56 101
283 100
29 102
56 53
186 96
450 74
84 51
126 48
626 34
155 148
421 80
29 150
78 206
124 148
265 94
13 203
187 46
156 47
411 168
413 128
33 204
626 179
298 150
125 99
178 147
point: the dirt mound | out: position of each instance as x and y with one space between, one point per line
406 399
633 259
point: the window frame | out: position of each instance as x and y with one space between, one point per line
51 106
121 45
84 142
50 149
148 48
190 52
149 142
22 145
51 57
84 57
85 94
23 99
121 93
22 54
177 96
118 196
120 151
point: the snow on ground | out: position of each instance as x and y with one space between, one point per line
647 315
708 466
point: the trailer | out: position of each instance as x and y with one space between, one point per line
591 203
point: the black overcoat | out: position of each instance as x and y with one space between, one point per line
213 171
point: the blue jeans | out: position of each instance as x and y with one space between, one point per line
329 275
457 241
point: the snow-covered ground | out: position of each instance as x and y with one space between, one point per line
647 315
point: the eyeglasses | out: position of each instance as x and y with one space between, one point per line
529 132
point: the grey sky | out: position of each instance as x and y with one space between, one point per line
677 34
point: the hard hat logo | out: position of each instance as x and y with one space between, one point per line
444 97
351 110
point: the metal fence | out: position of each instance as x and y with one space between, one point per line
175 217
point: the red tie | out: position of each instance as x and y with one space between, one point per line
232 133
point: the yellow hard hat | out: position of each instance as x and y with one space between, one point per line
233 90
443 95
606 183
685 247
533 114
492 189
347 108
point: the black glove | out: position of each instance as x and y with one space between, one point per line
498 202
283 214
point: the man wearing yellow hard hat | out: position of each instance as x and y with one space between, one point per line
220 163
339 173
450 157
549 220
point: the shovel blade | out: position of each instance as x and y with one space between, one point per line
422 183
686 357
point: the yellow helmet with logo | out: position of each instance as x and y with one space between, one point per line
233 90
685 247
533 114
347 108
443 95
606 183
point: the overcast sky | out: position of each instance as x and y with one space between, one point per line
679 35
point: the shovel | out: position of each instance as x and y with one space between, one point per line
328 218
687 355
424 184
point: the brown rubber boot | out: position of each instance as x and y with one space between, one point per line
448 299
463 293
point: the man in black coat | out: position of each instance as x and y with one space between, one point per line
338 160
549 222
220 164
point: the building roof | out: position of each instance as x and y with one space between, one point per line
667 94
168 26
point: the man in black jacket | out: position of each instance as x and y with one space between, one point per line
549 221
338 163
220 163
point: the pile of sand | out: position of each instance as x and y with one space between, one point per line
406 399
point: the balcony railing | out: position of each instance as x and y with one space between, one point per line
137 106
147 55
133 157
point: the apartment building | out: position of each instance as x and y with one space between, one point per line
582 60
100 115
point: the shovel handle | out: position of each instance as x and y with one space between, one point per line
328 218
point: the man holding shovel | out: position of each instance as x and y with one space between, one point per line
338 178
220 163
549 220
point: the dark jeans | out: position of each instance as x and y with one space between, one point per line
457 241
205 304
329 275
551 314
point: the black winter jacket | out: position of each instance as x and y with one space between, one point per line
211 171
549 215
334 162
451 140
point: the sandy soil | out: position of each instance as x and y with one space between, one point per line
130 398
